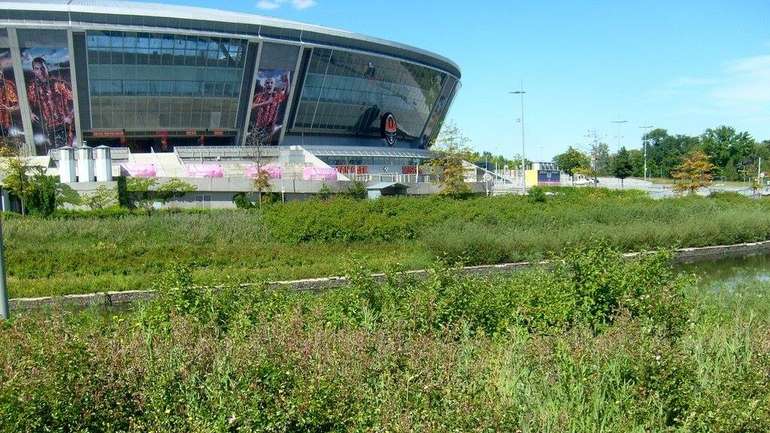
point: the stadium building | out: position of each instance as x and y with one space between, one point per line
182 89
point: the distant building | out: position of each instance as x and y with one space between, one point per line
543 174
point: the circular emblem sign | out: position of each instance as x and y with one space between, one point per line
389 128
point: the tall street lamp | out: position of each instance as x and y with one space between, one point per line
4 310
521 93
620 124
644 144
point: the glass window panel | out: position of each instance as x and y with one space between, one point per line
184 89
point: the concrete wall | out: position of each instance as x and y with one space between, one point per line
318 284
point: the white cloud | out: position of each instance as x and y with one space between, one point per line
303 4
741 83
296 4
268 4
745 81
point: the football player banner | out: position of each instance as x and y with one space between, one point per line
268 106
49 92
11 129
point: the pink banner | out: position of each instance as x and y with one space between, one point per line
317 173
205 170
138 170
273 171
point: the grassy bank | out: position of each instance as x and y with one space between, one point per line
78 253
597 345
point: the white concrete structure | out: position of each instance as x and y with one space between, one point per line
103 164
85 165
67 172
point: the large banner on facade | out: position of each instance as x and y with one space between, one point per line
268 106
11 129
49 91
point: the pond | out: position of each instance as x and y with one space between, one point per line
729 273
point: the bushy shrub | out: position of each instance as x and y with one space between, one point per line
242 201
468 243
537 195
567 349
356 190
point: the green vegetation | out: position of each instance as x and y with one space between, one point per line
622 166
448 163
735 155
141 192
597 344
571 161
38 194
118 249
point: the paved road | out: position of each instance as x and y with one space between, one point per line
660 191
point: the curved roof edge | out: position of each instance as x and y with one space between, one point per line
216 15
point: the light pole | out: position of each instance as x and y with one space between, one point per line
4 310
521 93
620 125
644 144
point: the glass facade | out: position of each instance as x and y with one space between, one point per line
146 81
346 93
180 80
439 111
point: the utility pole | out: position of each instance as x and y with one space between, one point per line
4 309
521 93
644 144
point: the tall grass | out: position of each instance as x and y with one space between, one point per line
88 252
596 345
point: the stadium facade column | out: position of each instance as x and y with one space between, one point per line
21 90
245 130
74 83
290 105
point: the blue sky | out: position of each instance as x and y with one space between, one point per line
682 65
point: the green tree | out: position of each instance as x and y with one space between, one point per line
665 152
572 160
694 173
728 150
17 173
489 161
621 166
637 162
448 164
38 193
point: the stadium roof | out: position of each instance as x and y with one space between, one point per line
267 27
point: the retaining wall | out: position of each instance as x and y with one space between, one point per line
684 255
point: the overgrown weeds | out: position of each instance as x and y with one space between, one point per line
79 252
596 343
